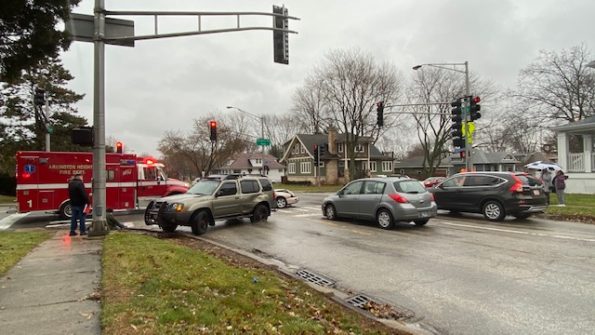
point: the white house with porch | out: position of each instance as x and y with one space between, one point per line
576 154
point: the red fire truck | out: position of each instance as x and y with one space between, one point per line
42 180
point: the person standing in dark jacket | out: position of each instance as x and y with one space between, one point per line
78 200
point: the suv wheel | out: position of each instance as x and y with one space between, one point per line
384 219
261 213
493 211
200 223
421 222
281 202
168 227
330 212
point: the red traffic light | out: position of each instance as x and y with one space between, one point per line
213 127
119 147
476 100
213 124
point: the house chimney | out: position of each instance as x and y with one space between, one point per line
332 137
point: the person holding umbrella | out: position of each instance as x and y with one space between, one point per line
547 176
560 185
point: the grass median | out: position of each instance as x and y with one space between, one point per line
15 245
579 207
164 286
309 188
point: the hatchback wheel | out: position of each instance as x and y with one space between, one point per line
384 219
421 222
281 202
493 211
330 212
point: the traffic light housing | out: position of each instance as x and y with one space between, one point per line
456 128
315 153
213 128
39 97
322 150
474 108
280 38
119 147
82 136
380 113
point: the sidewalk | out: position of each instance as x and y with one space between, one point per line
48 291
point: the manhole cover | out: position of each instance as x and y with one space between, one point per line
314 278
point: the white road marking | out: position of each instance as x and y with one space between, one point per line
306 215
8 221
519 232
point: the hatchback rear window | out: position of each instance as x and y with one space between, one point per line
529 180
409 186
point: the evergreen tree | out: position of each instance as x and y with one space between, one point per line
29 34
22 124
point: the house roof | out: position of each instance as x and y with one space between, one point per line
309 140
587 123
242 161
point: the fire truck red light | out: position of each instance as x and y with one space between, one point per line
26 175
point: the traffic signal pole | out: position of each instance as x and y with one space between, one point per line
99 224
468 165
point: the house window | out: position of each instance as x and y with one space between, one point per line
359 147
373 166
340 147
296 148
302 150
387 166
305 167
291 168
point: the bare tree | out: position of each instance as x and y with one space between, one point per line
310 106
559 86
193 153
352 83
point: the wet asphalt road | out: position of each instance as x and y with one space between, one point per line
459 275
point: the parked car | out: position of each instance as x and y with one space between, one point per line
212 198
433 181
285 197
385 200
494 194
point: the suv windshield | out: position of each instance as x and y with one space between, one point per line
409 186
204 187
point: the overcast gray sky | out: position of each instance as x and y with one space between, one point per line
164 84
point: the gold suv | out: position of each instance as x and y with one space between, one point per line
212 198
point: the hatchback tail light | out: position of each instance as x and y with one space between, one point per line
398 198
517 186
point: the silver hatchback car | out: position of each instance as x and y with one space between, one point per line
386 200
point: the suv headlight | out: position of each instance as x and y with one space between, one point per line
178 207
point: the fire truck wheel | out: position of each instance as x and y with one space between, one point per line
65 210
199 223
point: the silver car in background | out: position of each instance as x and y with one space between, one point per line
385 200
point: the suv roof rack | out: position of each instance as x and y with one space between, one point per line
233 176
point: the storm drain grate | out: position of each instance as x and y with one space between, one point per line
314 278
359 300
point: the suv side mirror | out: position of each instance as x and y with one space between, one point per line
220 193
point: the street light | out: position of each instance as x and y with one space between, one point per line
444 66
261 118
